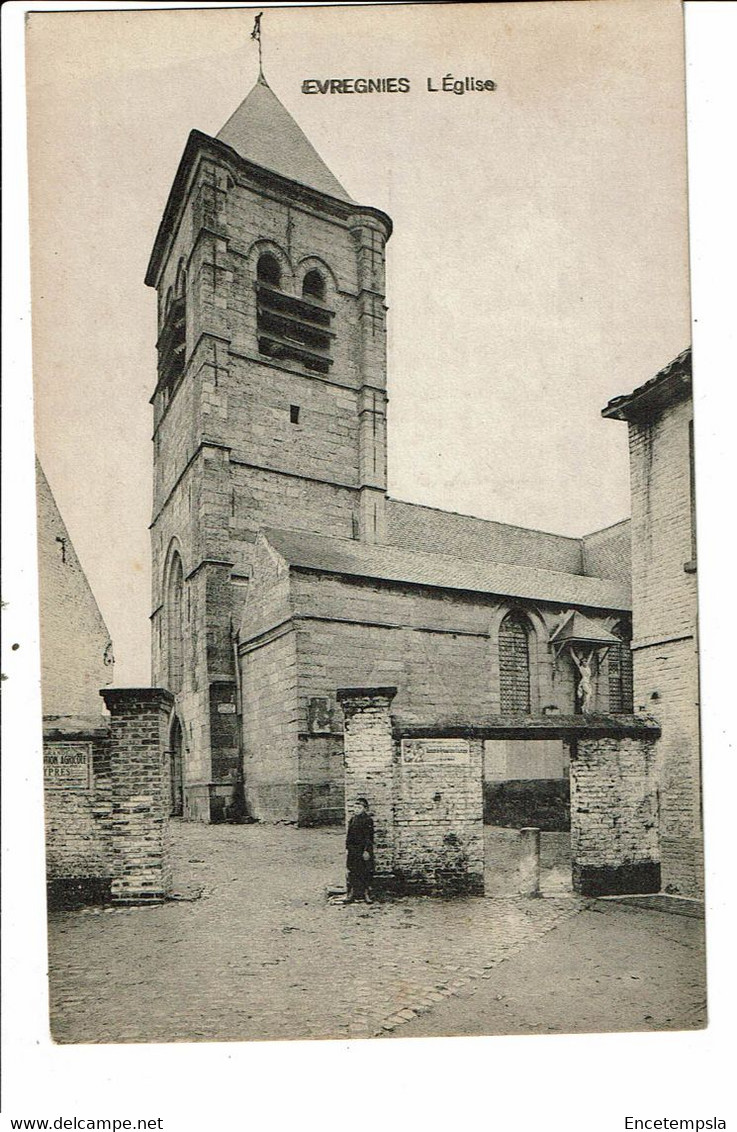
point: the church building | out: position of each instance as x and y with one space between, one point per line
282 570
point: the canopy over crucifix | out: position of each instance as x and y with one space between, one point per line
585 642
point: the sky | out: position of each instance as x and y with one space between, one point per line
538 265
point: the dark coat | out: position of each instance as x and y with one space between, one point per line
360 840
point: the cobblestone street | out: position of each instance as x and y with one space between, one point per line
263 954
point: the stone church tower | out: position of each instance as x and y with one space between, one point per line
270 405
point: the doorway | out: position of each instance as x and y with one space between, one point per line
526 784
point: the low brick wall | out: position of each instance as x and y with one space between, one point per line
78 810
614 816
107 800
424 786
425 796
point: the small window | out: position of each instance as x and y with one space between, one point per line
294 414
268 270
313 286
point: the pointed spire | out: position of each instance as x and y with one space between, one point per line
264 132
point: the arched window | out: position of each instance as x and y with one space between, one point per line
268 270
313 286
514 663
620 670
175 623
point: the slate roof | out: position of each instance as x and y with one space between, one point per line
262 131
428 529
362 560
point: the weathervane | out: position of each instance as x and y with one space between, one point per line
256 34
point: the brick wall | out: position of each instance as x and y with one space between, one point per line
438 806
107 800
614 816
140 793
425 797
78 810
665 636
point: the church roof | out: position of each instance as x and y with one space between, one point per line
416 527
388 563
262 131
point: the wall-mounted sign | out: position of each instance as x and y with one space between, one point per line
226 709
435 752
67 766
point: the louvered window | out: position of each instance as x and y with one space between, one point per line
620 673
514 664
297 329
172 346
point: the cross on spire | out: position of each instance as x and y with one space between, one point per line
256 34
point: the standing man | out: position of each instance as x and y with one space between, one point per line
359 845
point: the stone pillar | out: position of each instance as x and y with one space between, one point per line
369 767
614 816
140 793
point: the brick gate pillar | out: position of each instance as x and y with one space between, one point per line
140 793
369 766
614 816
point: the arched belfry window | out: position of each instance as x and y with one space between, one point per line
514 663
175 623
293 327
620 670
313 286
172 344
268 270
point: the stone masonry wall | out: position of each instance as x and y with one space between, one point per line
228 458
614 816
439 649
270 742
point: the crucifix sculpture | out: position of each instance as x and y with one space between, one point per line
585 688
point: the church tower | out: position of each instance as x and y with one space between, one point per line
270 404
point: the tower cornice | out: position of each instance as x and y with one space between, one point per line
200 145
